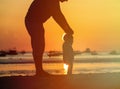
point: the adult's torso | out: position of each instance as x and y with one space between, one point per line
41 10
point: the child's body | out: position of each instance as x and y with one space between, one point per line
68 55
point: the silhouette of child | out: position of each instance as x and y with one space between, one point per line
68 55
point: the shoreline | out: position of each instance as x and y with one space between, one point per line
75 81
59 60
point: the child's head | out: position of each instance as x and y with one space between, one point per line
68 38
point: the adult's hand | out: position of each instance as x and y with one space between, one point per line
70 31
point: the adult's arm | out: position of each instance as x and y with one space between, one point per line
60 18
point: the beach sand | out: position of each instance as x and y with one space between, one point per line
76 81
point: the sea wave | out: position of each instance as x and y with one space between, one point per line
59 60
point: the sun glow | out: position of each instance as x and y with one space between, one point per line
65 68
63 36
91 21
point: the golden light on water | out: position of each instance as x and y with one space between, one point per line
65 68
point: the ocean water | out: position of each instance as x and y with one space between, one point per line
24 65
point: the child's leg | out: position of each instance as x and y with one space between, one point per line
70 68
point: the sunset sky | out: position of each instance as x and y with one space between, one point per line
96 24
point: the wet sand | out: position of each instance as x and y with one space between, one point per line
76 81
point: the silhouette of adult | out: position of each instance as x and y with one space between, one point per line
38 13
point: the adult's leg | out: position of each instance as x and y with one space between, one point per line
36 32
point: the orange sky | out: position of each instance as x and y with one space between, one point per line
96 24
